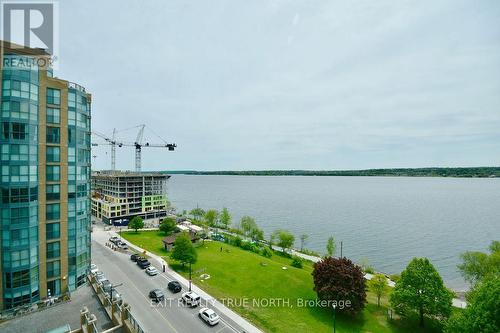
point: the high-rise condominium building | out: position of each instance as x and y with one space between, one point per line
45 183
118 196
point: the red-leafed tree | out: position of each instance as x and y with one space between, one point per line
339 279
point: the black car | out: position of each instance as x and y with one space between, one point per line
156 295
174 286
143 262
134 257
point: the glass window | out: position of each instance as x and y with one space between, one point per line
53 154
53 192
52 211
18 131
53 116
53 250
53 96
53 135
52 230
53 173
53 269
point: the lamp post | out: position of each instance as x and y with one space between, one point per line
190 276
334 317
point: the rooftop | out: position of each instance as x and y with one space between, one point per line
61 315
121 174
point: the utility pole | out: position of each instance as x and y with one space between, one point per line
341 250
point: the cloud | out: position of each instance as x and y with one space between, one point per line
280 84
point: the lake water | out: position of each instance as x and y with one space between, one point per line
387 220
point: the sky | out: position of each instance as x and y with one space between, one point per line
254 85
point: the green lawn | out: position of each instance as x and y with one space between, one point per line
237 274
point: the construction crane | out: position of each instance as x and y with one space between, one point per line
138 144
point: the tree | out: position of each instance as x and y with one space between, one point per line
285 239
378 284
136 223
482 313
168 225
225 218
339 279
303 239
421 290
331 247
211 217
476 266
184 250
247 223
257 234
197 213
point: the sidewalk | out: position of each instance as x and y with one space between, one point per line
221 308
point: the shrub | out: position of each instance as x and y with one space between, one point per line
237 241
395 277
266 252
297 262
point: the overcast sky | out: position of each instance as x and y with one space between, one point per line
290 84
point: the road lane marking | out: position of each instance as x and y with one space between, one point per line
148 300
163 274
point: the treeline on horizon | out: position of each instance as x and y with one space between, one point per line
476 172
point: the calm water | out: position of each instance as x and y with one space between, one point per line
387 220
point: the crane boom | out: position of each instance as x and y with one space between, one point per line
138 144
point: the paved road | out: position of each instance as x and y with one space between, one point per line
170 316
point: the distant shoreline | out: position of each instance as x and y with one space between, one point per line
474 172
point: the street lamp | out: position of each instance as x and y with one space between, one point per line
334 317
190 276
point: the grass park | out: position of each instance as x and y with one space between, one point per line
236 274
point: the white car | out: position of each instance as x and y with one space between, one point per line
209 316
151 271
93 269
191 298
122 245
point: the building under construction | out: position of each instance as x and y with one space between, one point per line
118 196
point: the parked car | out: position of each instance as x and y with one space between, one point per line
218 237
114 239
156 295
143 262
174 286
191 298
93 269
122 245
150 270
209 316
134 257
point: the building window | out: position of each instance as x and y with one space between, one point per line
52 230
53 250
53 211
53 173
17 279
53 116
53 96
53 154
53 135
53 192
53 269
18 131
